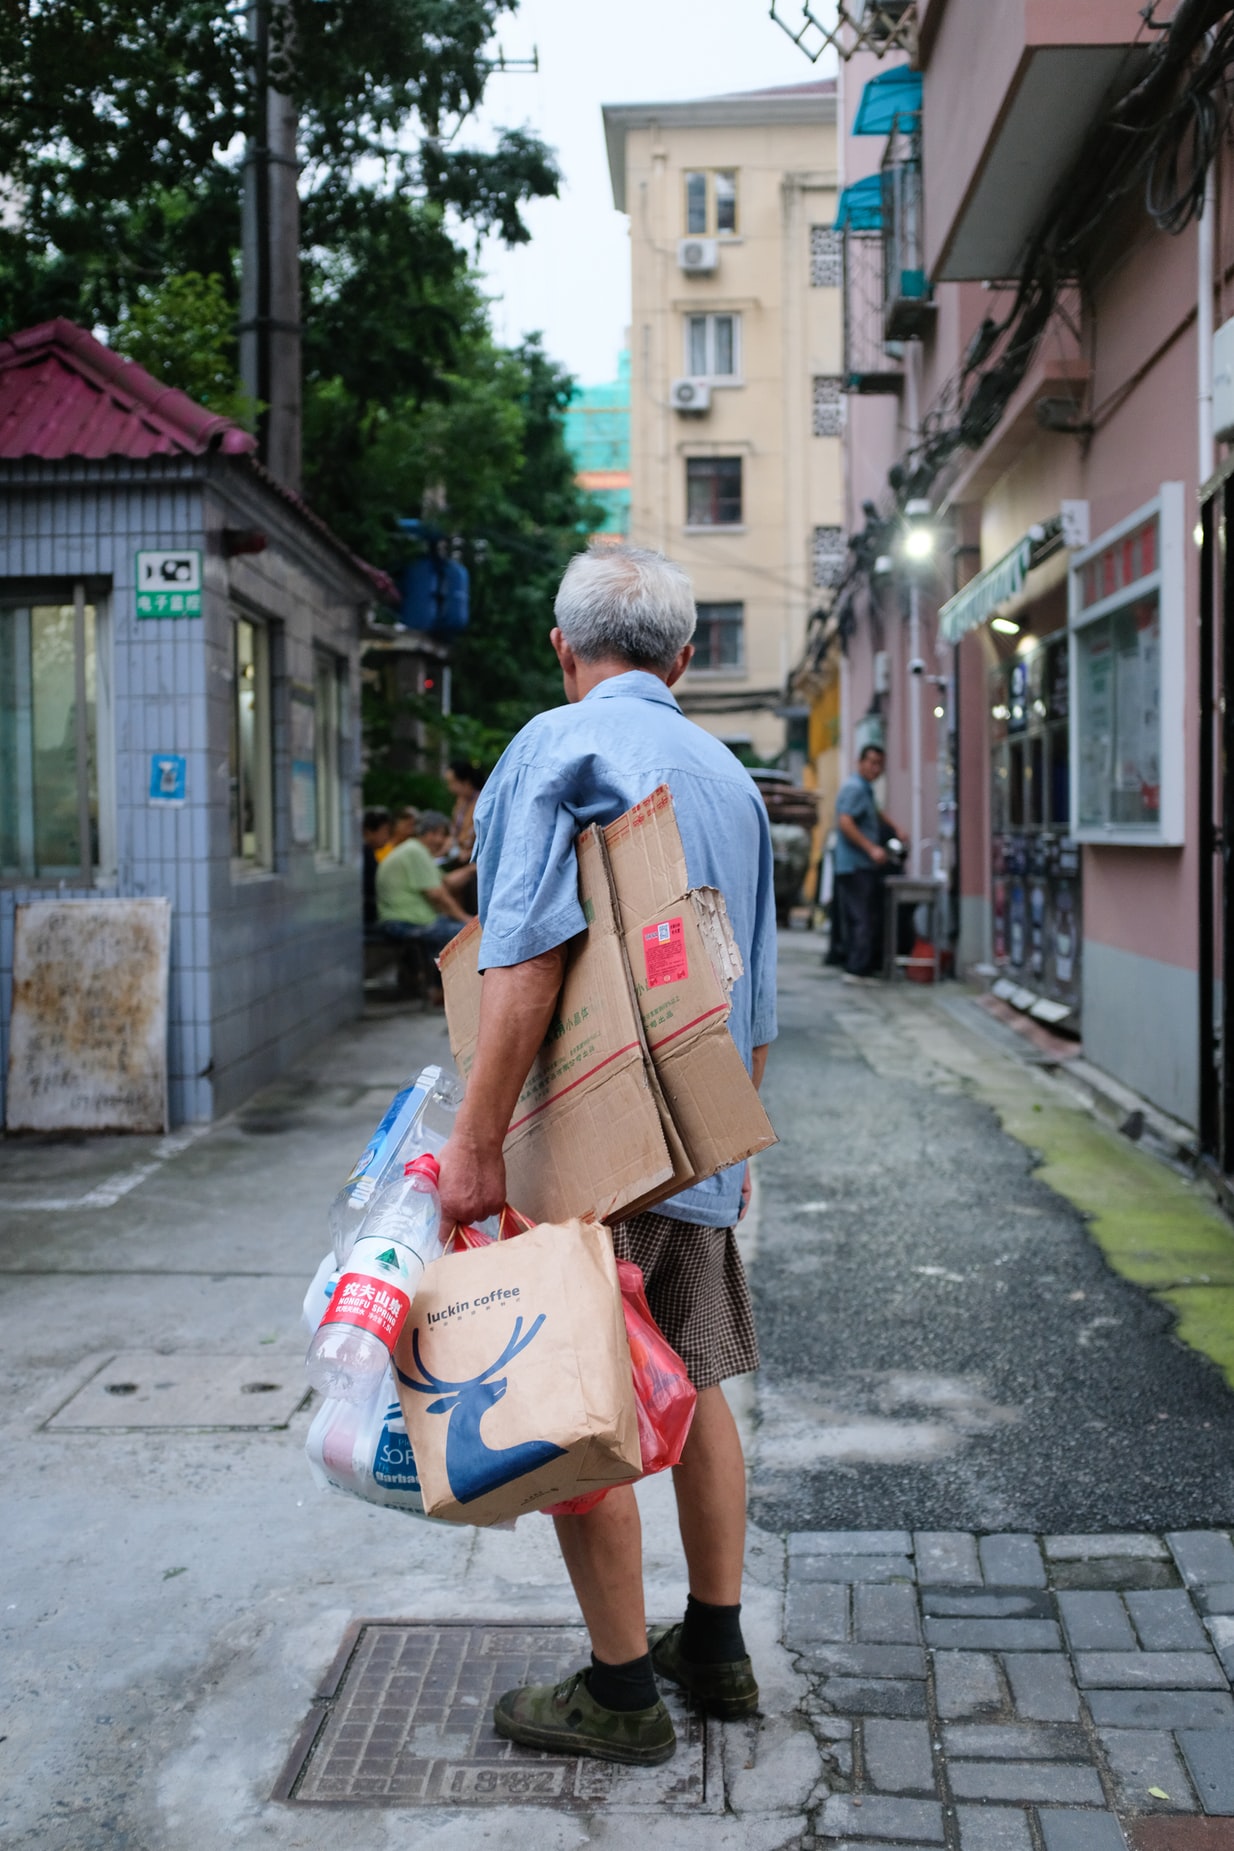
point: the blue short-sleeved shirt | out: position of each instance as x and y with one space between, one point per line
589 763
856 799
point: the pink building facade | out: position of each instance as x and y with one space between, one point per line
1044 419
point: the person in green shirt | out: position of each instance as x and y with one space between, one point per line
414 897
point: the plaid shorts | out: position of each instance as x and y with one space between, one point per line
697 1291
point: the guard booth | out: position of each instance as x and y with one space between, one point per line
179 706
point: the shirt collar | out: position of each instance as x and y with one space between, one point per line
636 683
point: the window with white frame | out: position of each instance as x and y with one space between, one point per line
713 348
1127 705
830 555
719 639
828 407
711 202
826 257
49 758
329 682
252 755
713 491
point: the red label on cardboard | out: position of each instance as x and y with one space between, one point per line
368 1304
664 952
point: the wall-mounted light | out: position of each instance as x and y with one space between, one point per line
1006 626
919 530
940 713
1197 533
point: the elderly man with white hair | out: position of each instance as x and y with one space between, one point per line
624 622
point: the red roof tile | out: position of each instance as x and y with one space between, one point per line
62 393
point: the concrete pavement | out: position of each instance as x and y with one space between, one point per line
175 1599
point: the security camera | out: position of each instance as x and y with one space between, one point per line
917 666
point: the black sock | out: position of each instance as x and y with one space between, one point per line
711 1635
630 1686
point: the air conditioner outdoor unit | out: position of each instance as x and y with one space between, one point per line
698 256
690 395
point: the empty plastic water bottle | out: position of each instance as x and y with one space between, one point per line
352 1345
419 1118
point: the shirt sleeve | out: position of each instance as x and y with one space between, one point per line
763 950
527 871
851 800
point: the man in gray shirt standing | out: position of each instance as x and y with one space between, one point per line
860 864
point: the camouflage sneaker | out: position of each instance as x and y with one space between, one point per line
566 1719
726 1690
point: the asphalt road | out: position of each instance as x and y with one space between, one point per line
944 1345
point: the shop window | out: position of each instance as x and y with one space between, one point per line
719 638
713 491
713 347
49 777
252 758
1126 668
328 687
711 202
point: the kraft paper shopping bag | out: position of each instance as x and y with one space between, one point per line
514 1375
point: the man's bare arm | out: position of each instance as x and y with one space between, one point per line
516 1009
445 902
758 1063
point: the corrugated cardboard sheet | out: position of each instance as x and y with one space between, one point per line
639 1090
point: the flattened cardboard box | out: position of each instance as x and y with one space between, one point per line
586 1136
684 960
639 1090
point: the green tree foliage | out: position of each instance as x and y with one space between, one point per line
184 333
122 131
122 127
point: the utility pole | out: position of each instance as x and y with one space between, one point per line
270 364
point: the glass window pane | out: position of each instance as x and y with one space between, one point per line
723 365
696 345
327 751
726 202
713 491
696 203
718 636
55 767
16 812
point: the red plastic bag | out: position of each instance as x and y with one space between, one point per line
663 1393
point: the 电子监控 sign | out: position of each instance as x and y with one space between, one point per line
169 584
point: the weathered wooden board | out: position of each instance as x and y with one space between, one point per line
88 1033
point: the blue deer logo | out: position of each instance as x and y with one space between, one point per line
473 1468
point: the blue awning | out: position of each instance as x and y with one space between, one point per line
890 94
861 205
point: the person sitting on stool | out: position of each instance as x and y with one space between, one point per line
860 866
414 898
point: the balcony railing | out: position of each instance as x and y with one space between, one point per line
908 310
871 363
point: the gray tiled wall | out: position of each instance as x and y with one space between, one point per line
261 966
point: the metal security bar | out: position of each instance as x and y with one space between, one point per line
879 26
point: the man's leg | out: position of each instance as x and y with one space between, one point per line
710 1484
603 1552
856 926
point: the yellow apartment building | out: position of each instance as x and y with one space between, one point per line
737 413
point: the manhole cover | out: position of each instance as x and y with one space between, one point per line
143 1389
406 1719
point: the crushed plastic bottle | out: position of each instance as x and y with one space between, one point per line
351 1348
364 1450
419 1119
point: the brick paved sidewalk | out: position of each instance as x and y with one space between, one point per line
1016 1693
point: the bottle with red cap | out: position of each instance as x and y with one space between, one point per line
351 1348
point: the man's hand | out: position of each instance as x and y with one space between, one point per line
877 855
473 1180
747 1190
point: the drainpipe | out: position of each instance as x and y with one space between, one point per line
912 364
1205 241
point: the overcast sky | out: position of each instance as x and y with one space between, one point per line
572 282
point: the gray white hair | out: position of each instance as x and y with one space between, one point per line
626 603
